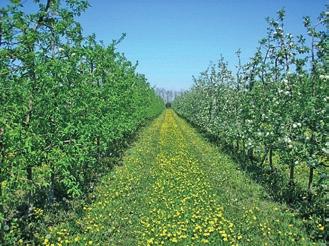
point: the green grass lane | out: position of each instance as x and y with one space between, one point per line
174 188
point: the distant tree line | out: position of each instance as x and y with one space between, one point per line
168 96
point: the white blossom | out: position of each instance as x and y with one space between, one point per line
324 76
295 125
287 93
287 139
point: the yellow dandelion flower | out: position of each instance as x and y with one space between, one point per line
321 227
174 240
204 241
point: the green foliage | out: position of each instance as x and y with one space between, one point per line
67 102
274 109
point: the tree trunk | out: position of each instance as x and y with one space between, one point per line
310 181
51 192
98 142
291 174
270 158
244 149
1 181
265 155
291 182
29 172
251 155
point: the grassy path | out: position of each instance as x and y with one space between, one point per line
175 188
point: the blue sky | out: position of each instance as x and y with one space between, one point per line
175 39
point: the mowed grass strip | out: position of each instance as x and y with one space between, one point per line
176 189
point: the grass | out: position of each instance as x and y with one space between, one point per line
176 188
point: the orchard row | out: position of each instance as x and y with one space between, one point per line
274 110
69 105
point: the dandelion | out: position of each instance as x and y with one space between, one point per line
204 241
174 240
321 227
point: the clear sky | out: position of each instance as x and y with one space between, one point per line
175 39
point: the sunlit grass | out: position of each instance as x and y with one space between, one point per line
175 188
